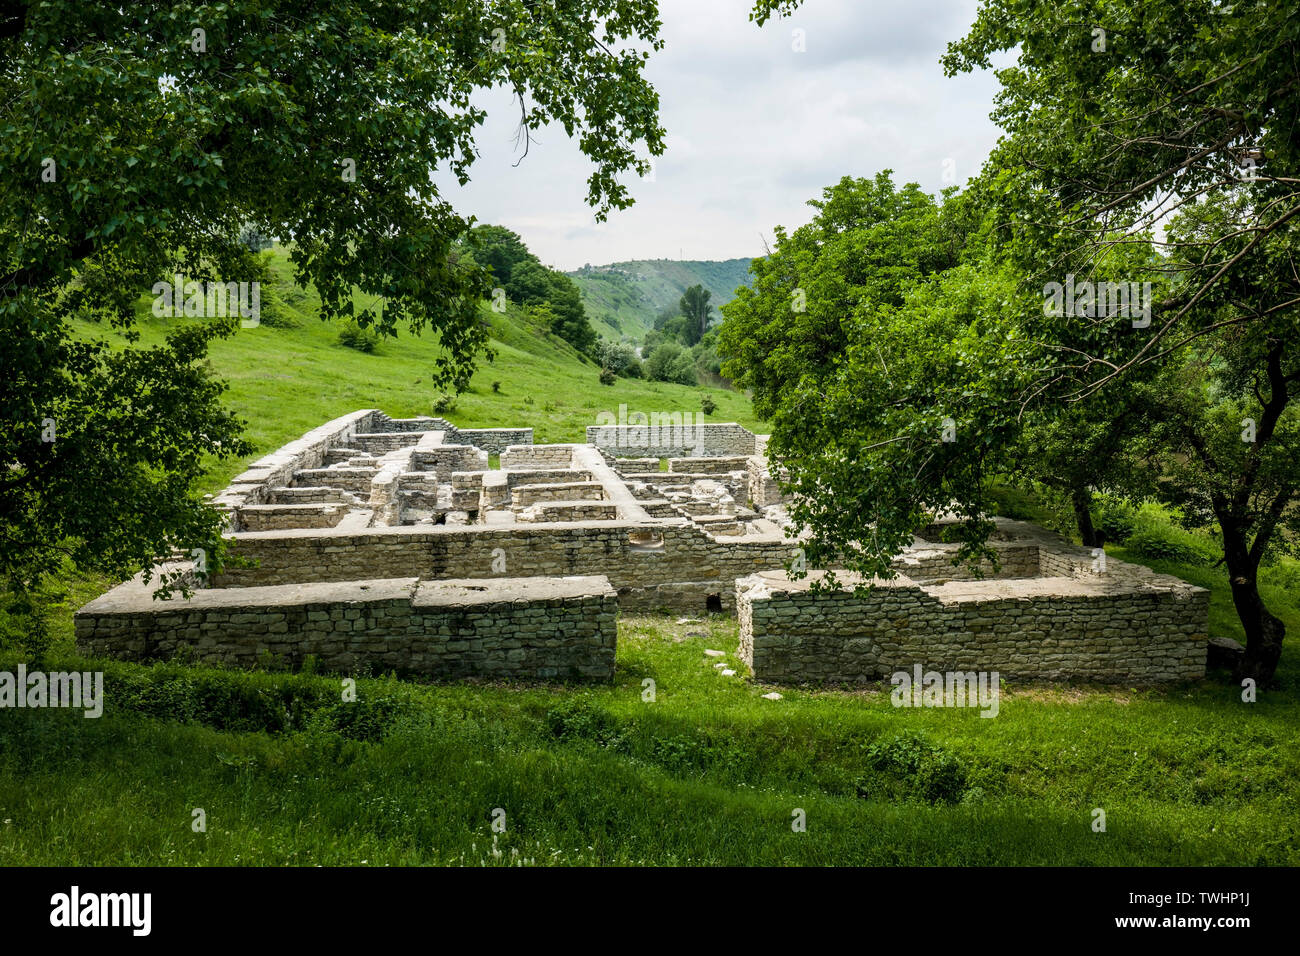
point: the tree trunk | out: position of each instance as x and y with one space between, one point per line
1264 631
1082 500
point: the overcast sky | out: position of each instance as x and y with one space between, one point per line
755 129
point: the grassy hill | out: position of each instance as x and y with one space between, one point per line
623 298
289 377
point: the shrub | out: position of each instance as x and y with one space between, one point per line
358 337
496 388
708 405
1156 536
907 765
607 377
445 403
1113 516
669 362
1283 573
618 357
577 718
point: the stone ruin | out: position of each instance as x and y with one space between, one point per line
396 544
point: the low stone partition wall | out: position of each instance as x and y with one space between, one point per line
1127 625
526 495
544 476
355 480
708 466
548 511
381 443
667 564
661 439
276 517
310 496
522 629
764 489
446 460
251 486
491 440
537 456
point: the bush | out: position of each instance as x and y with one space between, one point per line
618 357
1283 573
708 405
358 337
577 718
1114 517
496 388
445 403
1155 535
908 766
669 362
607 377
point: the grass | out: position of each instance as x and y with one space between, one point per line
709 772
287 379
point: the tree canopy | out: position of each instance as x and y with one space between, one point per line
1148 160
139 141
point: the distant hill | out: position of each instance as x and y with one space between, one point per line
623 298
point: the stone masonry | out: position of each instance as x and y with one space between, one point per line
1069 621
374 542
525 628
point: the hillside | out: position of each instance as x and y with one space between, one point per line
623 298
288 377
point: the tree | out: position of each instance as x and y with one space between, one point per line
1117 119
532 284
669 362
888 368
619 357
140 138
694 305
500 250
1117 116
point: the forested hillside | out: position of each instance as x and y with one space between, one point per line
623 298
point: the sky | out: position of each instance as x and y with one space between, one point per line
755 128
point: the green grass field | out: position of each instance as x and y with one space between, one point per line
709 772
285 381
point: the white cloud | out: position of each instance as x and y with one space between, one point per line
754 130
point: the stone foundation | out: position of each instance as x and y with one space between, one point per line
392 543
1126 624
522 629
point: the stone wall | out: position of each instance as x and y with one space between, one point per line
492 440
1127 625
537 456
711 440
525 629
278 517
706 466
526 495
251 486
652 571
764 490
